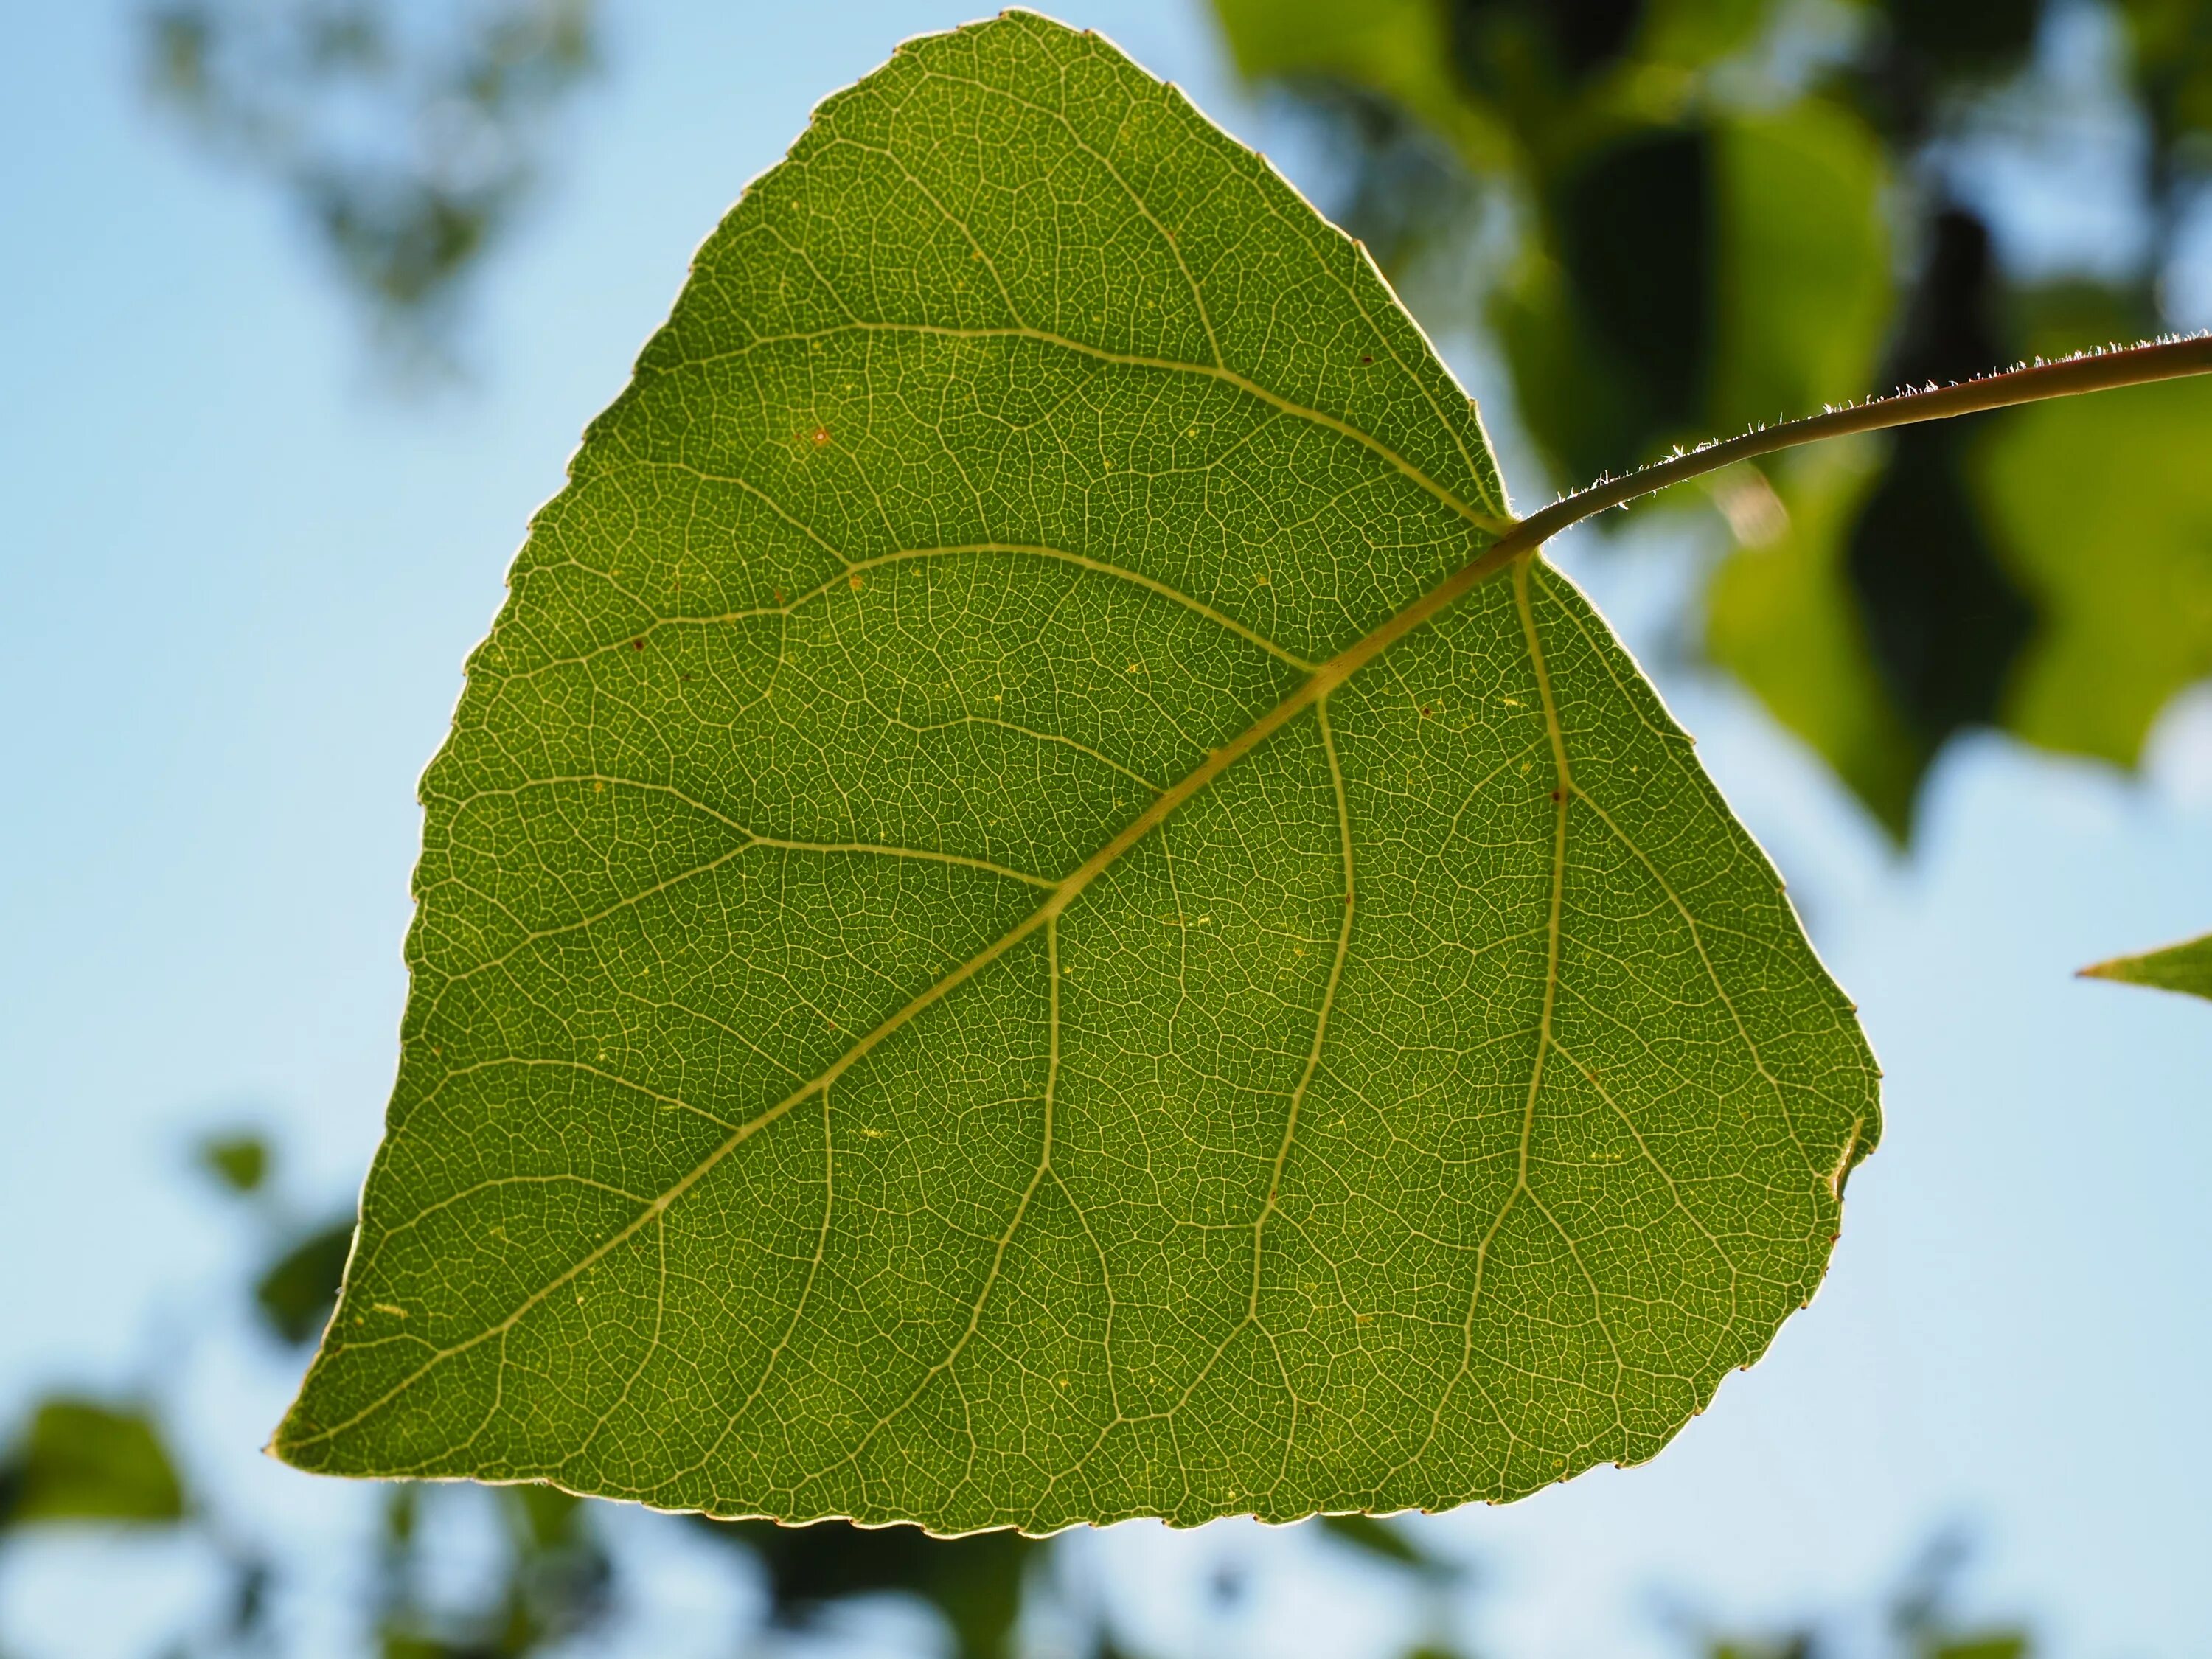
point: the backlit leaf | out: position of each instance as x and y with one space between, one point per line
296 1290
2095 509
1780 616
2184 967
986 956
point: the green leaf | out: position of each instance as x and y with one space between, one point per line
1782 617
1803 286
1380 1541
1689 272
1988 1645
2184 967
1401 49
2099 509
239 1162
295 1293
556 1583
82 1461
975 1583
995 948
2094 508
1706 276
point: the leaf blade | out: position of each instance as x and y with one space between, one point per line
870 613
2186 968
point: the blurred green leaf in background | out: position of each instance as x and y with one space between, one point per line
82 1460
1878 602
296 1292
976 1582
410 139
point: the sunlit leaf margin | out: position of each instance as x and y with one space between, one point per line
1011 932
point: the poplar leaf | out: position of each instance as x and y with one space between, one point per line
989 949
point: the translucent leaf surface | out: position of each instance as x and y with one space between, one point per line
991 953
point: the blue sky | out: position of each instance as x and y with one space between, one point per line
240 579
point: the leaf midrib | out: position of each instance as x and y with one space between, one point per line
1324 679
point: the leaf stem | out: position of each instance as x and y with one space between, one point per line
2094 371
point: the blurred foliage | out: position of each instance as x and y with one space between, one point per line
1922 1619
79 1460
1382 1542
408 136
239 1162
297 1291
1674 218
1919 1621
975 1582
2106 511
557 1582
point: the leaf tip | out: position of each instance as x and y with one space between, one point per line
2122 970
